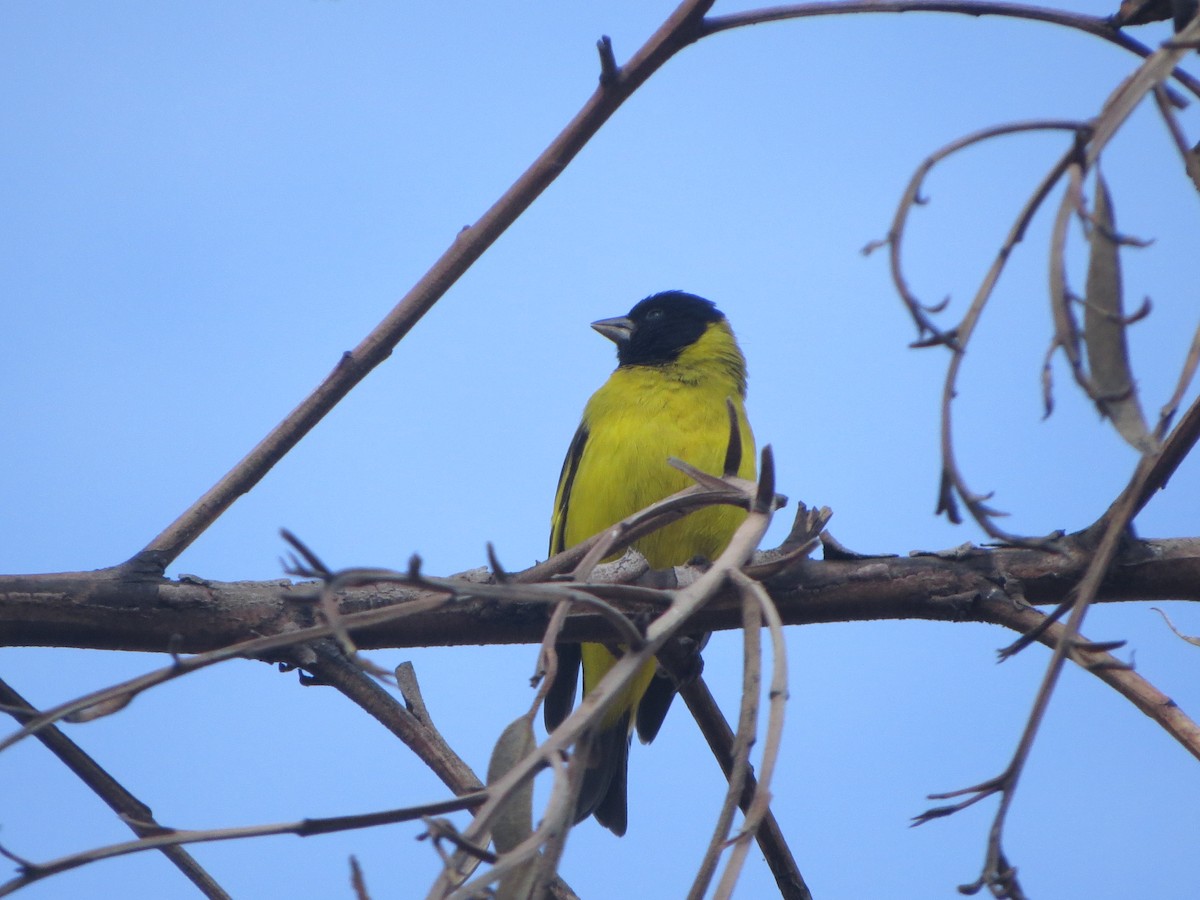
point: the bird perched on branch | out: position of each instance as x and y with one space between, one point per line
680 374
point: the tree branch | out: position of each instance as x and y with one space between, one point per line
1098 27
679 30
133 812
173 838
191 615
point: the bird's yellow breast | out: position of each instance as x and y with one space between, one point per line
640 417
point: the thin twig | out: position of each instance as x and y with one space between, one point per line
760 807
1155 469
132 811
1189 155
742 742
1066 328
1126 681
621 535
719 736
1093 25
953 482
911 198
171 837
997 872
413 726
556 821
1154 71
358 881
1167 414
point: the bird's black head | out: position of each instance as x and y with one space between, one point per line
659 328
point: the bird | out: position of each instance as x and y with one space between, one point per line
680 375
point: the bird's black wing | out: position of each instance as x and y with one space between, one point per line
560 699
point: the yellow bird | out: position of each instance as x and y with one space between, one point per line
678 368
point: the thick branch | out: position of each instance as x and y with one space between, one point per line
95 611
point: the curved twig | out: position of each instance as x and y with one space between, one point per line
1123 679
409 721
953 484
911 198
719 737
1093 25
743 739
760 805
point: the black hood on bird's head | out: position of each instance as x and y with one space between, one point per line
659 328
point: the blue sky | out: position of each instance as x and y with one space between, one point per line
204 205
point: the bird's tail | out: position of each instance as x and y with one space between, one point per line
603 792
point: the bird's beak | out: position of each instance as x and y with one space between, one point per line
617 330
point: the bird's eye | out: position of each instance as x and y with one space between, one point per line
654 315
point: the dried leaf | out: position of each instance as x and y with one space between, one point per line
514 822
1104 328
100 709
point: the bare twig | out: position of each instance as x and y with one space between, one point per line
411 725
1127 682
556 823
553 826
1167 414
358 881
581 557
953 483
997 872
1093 25
759 808
1157 68
132 811
170 837
742 742
707 491
1151 701
719 736
1066 328
681 28
1189 155
1174 450
911 198
1191 639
